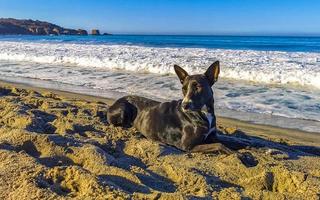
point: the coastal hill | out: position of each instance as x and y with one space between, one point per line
10 26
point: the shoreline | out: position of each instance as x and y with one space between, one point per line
254 129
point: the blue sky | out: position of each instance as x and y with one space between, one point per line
257 17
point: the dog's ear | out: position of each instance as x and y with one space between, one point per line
181 73
212 72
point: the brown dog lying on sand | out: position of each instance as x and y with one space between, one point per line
180 123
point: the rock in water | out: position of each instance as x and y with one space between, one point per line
95 32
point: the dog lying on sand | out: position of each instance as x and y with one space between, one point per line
180 123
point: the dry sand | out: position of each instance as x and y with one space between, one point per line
60 146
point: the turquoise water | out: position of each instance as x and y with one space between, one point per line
264 43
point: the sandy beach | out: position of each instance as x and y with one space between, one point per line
58 145
252 67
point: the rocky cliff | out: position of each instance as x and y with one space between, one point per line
10 26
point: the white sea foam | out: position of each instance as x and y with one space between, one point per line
93 68
271 67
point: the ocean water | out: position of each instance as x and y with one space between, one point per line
262 77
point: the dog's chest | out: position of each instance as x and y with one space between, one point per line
212 128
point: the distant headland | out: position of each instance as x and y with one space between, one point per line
11 26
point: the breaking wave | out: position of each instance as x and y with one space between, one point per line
271 67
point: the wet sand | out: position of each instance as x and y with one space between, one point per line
58 145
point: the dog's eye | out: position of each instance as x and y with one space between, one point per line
199 87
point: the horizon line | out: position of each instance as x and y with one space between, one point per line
219 34
186 33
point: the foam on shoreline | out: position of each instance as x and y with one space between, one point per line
283 84
271 67
221 110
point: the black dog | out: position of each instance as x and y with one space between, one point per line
180 123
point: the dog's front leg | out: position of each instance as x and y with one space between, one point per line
212 148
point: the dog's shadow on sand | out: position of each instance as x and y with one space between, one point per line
240 140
